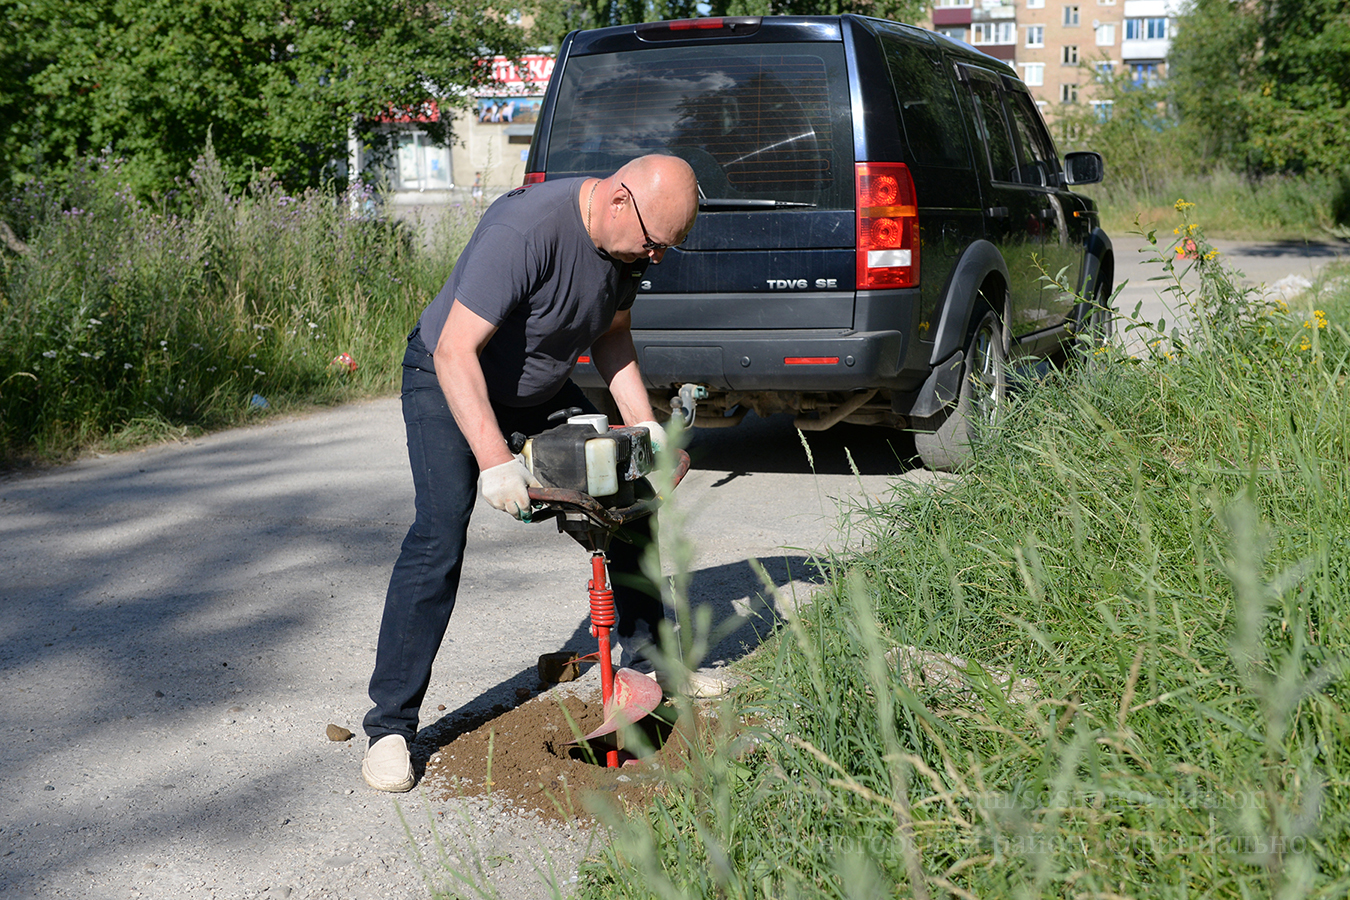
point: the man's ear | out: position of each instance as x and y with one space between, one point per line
617 201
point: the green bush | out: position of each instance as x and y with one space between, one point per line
128 317
1106 661
1153 156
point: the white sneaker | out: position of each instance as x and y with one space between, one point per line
697 685
704 685
388 765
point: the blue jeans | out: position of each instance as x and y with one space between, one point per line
425 580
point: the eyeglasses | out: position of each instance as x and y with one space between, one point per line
649 244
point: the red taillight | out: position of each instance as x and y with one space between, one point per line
811 361
582 360
679 29
534 177
888 227
686 24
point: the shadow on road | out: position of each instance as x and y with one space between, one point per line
773 445
1296 249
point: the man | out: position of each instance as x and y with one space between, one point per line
551 270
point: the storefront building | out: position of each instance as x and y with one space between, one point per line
491 143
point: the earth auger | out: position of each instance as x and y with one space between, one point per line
593 482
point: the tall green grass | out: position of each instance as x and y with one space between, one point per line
130 319
1311 206
1140 592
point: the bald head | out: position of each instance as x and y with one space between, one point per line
656 194
670 183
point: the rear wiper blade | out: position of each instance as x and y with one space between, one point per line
733 203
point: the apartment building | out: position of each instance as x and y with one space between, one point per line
1056 46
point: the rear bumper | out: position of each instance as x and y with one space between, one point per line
787 360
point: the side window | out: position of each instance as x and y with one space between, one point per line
1040 163
927 103
997 138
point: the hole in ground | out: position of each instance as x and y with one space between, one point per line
526 757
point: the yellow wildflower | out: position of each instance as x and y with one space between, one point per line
1181 205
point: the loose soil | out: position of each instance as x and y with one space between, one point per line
528 757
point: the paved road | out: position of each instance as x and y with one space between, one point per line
1259 264
180 624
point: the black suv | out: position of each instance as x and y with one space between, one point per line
879 206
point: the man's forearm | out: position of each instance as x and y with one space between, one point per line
630 395
615 358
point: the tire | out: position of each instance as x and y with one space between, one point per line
984 390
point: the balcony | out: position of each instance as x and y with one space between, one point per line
991 12
1146 49
1147 9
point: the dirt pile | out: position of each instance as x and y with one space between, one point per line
527 757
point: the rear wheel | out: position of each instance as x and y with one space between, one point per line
984 390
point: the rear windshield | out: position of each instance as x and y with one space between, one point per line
757 121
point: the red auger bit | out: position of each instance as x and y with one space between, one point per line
628 695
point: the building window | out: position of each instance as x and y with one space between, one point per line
1035 35
994 33
1069 55
955 32
1146 29
1145 74
1070 16
947 3
1068 93
1035 4
1103 109
1106 2
1105 67
1106 35
1033 74
421 164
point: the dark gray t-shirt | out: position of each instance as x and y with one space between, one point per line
532 270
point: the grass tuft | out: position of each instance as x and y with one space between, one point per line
130 321
1138 599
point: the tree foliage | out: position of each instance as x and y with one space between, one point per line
277 83
1267 81
1134 128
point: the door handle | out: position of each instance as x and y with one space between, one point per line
997 212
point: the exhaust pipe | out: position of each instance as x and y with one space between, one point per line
837 415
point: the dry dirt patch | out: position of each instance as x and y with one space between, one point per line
526 757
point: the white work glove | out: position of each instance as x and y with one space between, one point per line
506 487
658 433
